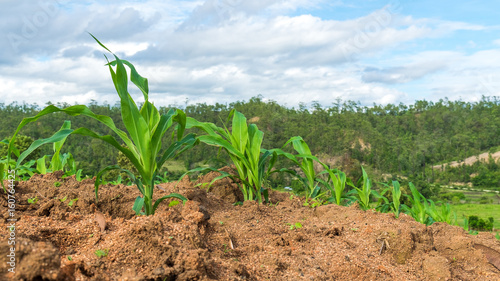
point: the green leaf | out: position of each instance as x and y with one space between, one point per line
255 136
72 201
129 153
56 163
138 204
171 195
59 135
41 167
73 111
239 135
3 167
177 148
163 124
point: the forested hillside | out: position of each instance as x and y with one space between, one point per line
395 140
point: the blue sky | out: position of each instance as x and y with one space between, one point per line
290 51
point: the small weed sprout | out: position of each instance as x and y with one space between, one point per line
72 201
63 199
101 253
33 200
57 184
173 203
203 185
297 225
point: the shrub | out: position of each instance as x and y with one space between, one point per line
476 223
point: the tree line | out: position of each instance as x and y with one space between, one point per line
393 140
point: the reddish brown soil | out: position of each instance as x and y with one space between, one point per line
210 239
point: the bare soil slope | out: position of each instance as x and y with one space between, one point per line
210 239
471 160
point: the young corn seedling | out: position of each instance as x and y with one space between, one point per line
143 143
24 172
305 160
296 225
101 253
363 194
395 205
442 213
243 144
59 162
306 165
418 209
338 183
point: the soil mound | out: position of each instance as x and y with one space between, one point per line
209 238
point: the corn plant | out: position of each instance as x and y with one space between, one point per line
306 165
466 224
419 206
162 179
442 213
24 172
59 162
363 193
243 144
146 129
338 184
426 211
305 161
384 204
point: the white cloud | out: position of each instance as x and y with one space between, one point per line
194 50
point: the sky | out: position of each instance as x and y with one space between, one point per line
294 52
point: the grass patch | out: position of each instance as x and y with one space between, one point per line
477 196
481 210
